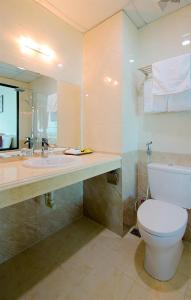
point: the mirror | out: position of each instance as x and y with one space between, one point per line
29 105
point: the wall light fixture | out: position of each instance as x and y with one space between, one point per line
28 46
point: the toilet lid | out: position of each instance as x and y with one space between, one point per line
161 218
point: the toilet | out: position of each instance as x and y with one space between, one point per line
162 220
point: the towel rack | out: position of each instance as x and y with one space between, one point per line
146 70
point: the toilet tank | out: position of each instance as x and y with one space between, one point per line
170 183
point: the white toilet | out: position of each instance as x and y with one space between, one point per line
162 220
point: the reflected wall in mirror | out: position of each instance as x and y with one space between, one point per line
9 117
36 106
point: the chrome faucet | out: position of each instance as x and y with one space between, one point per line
45 145
149 150
30 142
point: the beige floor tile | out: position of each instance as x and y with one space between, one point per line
187 246
185 263
113 286
87 262
55 284
173 289
116 287
137 292
188 291
130 257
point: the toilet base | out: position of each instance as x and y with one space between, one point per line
161 263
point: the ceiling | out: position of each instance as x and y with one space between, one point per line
12 72
143 12
85 14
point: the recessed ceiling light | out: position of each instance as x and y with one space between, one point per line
60 65
186 42
131 61
20 68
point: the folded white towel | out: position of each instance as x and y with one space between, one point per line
73 151
152 103
52 103
180 101
172 75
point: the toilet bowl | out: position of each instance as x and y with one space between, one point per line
162 226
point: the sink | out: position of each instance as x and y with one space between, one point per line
53 161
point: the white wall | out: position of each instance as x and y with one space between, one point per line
69 96
110 112
28 18
162 39
129 111
103 105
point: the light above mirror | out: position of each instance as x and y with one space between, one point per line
30 47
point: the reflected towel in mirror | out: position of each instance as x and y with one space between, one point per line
52 105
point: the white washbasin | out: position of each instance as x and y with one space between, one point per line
53 161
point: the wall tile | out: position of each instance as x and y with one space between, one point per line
103 202
28 222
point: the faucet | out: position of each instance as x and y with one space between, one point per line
45 145
149 150
30 142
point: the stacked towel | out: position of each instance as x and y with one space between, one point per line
170 87
172 75
152 103
166 103
180 101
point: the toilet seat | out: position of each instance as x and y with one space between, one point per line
161 218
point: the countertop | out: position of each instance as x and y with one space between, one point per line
14 174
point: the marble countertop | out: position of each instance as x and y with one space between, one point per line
14 174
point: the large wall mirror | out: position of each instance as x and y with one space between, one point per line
29 105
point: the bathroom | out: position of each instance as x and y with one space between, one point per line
70 232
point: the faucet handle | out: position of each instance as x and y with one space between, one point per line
45 142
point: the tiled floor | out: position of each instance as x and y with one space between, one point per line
87 262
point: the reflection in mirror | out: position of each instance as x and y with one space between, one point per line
34 106
28 107
45 109
9 117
